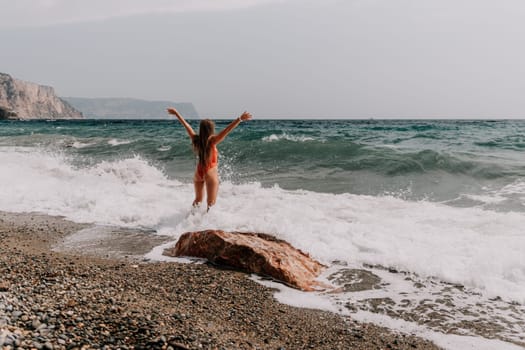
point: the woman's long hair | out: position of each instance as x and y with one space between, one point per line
200 142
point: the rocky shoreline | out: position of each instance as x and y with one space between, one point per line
66 300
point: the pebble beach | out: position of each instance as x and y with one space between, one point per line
70 300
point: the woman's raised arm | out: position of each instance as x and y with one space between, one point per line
187 126
220 136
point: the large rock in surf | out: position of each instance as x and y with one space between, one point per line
25 100
253 252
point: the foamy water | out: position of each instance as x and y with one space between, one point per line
287 137
326 302
478 248
115 142
475 247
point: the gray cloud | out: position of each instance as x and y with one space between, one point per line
34 13
293 58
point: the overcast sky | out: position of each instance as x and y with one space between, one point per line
278 58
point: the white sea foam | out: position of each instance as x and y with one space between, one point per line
446 341
513 192
115 142
287 137
79 145
471 246
293 297
128 192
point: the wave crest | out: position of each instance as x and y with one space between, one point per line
287 137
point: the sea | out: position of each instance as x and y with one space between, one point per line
434 208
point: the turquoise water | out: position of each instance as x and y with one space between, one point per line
453 161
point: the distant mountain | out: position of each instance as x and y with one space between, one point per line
128 108
24 100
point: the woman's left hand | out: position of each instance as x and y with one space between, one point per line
245 116
172 110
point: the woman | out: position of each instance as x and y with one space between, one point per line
205 145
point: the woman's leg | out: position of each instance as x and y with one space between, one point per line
198 183
212 186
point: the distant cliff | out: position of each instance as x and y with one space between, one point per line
25 100
128 108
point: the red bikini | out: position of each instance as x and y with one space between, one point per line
212 163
